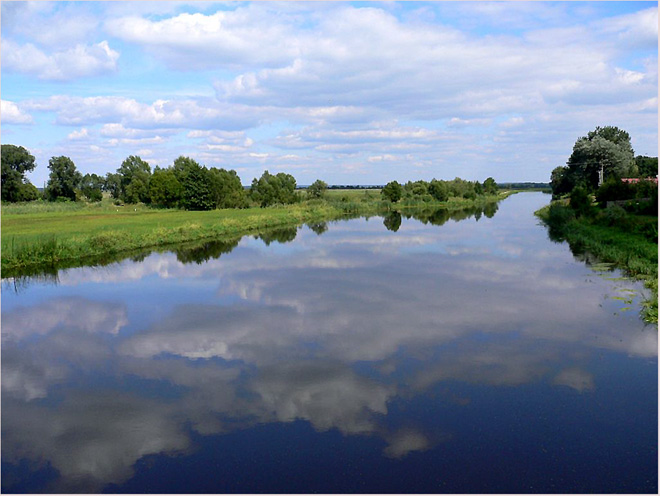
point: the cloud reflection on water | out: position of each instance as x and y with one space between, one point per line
307 320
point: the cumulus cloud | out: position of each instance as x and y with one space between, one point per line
49 24
10 113
80 134
79 61
225 38
123 116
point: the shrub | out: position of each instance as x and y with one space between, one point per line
614 190
580 201
615 216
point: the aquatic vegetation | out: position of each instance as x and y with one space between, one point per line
629 243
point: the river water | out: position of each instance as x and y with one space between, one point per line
402 355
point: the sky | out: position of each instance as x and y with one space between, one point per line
346 92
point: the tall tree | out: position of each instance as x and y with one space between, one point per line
16 161
165 190
392 191
135 174
562 181
226 189
490 186
112 184
647 166
63 180
91 186
197 192
607 148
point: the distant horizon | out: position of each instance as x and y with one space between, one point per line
346 92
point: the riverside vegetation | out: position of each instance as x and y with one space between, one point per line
88 219
616 222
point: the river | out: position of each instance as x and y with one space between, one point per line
422 354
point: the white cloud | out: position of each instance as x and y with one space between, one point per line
639 29
125 116
225 38
65 65
10 113
76 135
381 158
51 24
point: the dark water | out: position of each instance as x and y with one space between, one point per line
382 355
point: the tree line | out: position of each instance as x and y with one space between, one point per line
188 185
438 190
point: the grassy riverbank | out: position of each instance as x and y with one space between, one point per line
628 241
42 235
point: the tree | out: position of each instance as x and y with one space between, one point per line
197 192
91 186
226 189
647 166
28 192
439 190
181 166
317 189
165 190
490 186
112 184
64 179
392 191
273 189
608 148
562 181
416 188
135 174
16 161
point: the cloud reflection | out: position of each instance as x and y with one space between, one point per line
71 313
328 332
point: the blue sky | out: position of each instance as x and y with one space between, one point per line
351 93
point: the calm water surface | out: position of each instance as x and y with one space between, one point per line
369 355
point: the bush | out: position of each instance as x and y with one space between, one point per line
615 216
317 189
580 201
614 190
